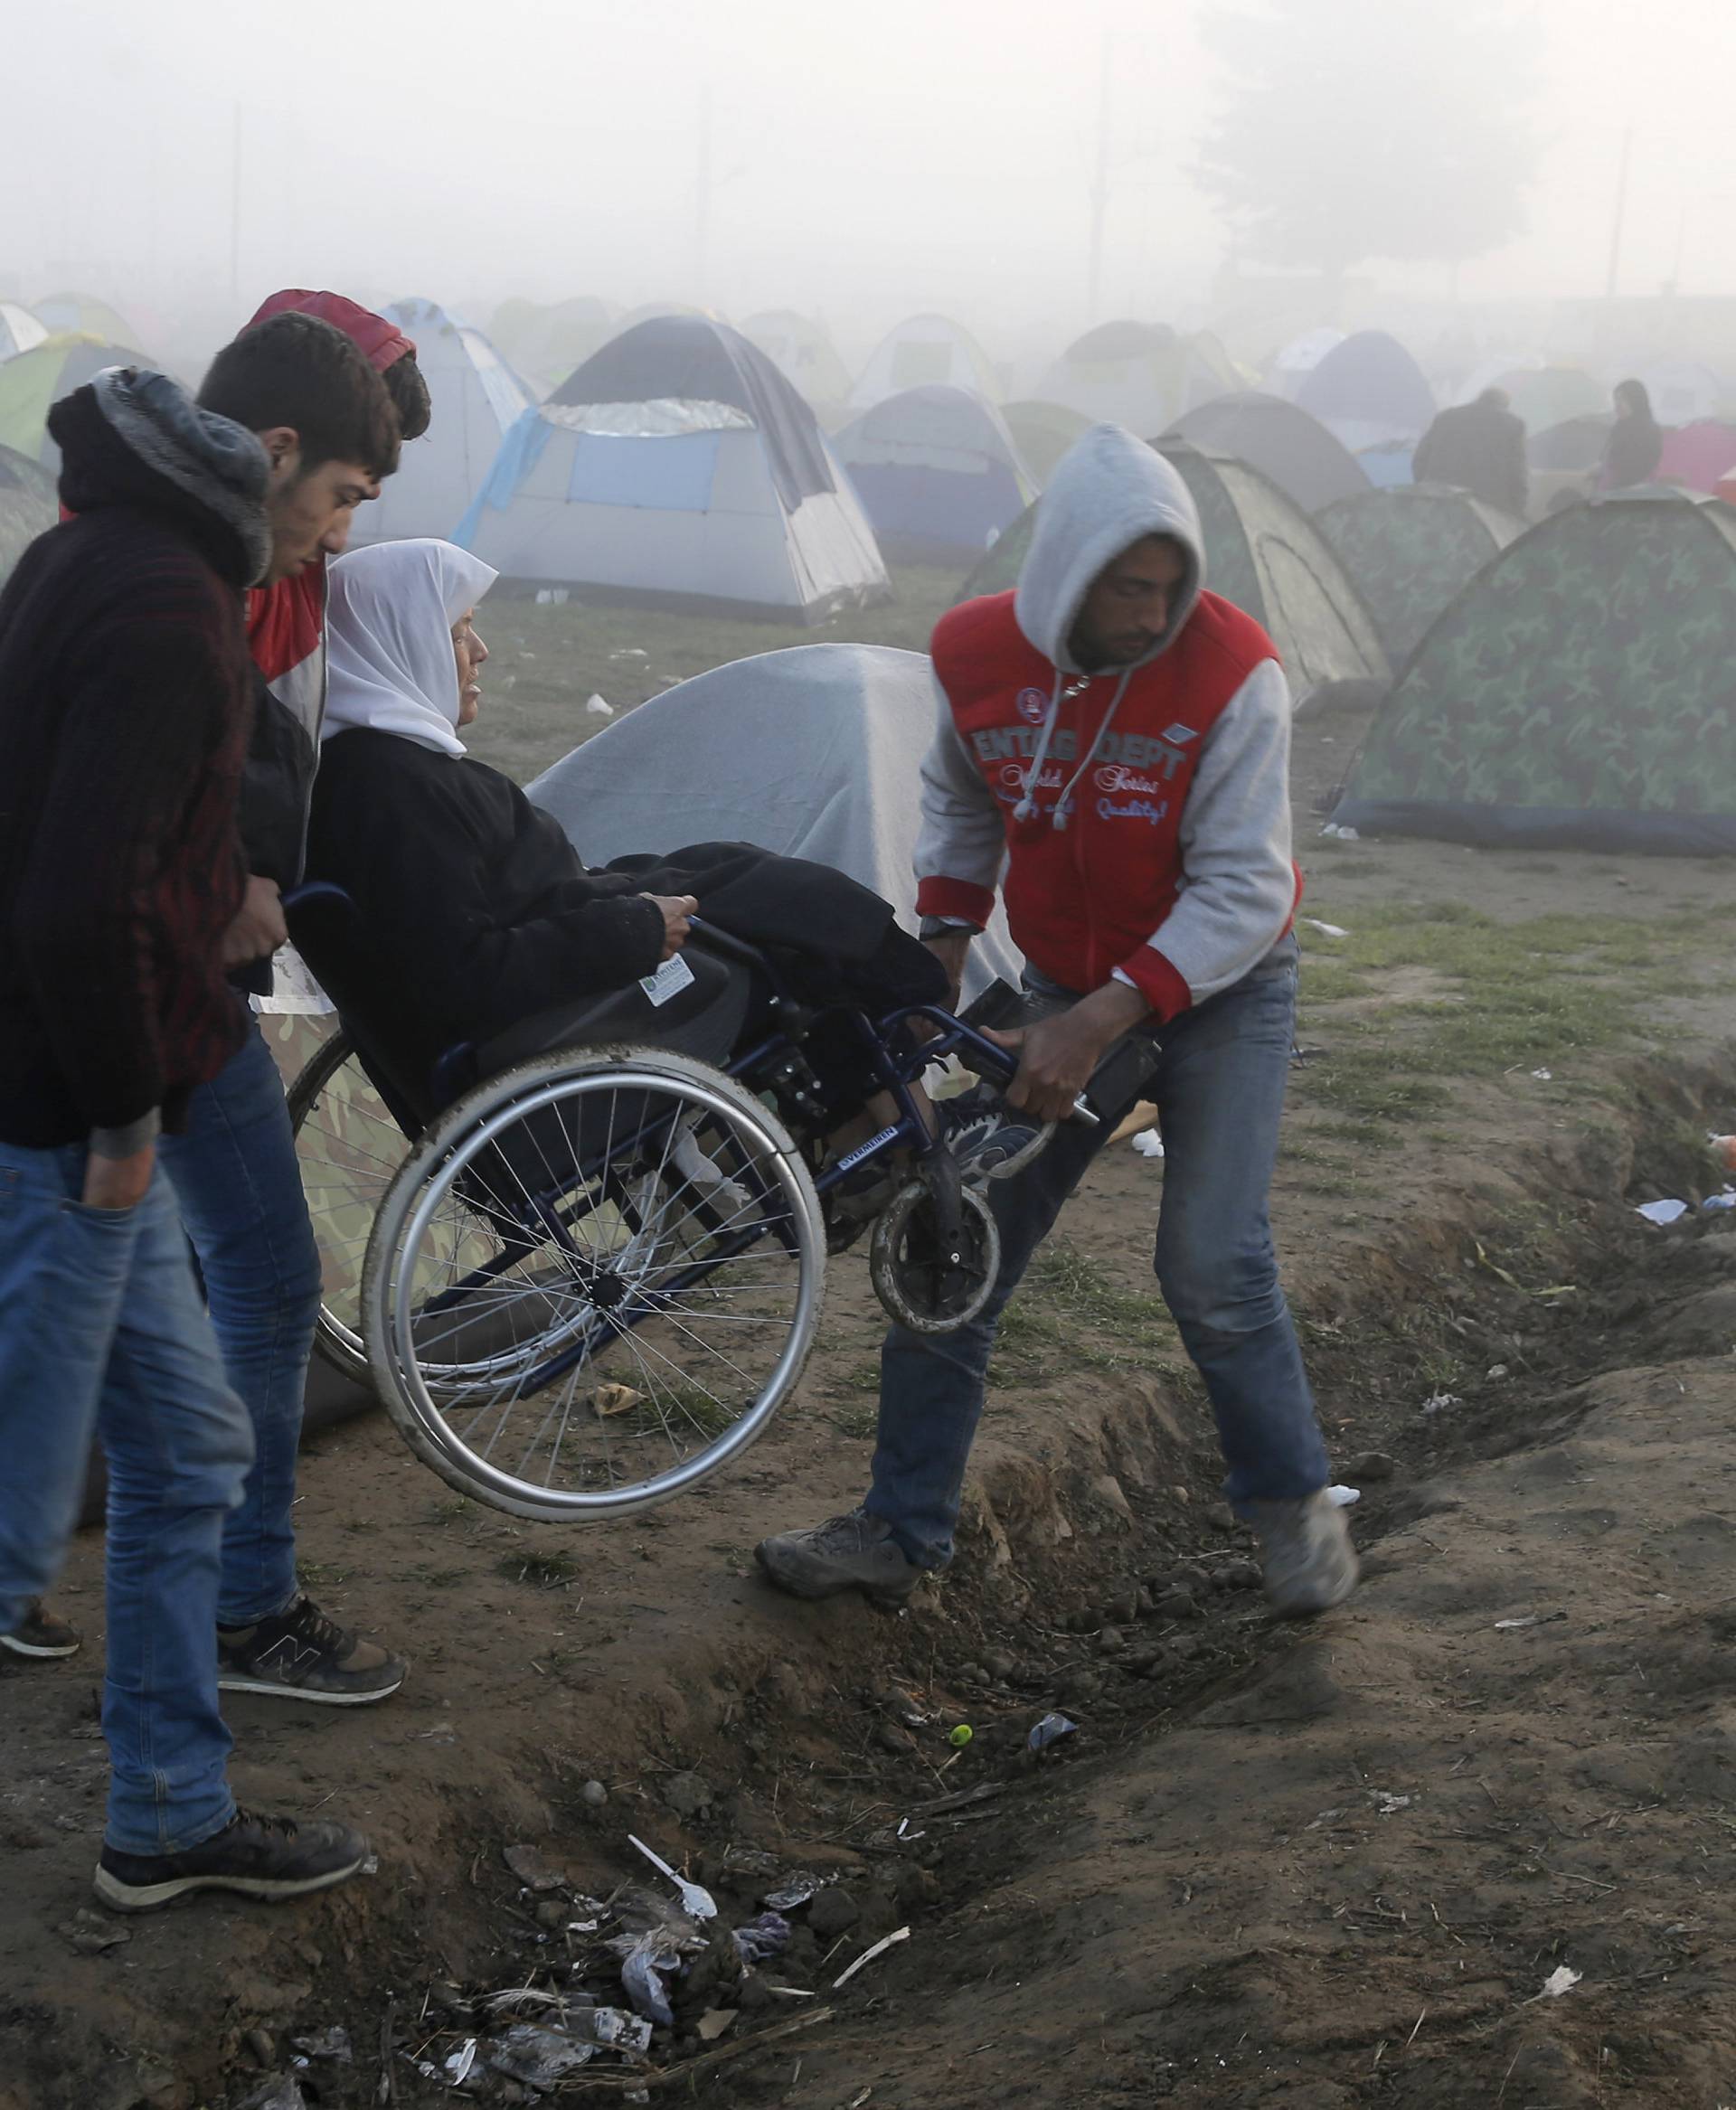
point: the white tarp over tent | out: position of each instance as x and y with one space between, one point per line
477 399
814 752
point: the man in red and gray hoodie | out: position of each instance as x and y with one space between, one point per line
1113 759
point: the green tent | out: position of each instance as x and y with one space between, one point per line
1410 550
1044 431
801 350
544 341
1579 693
27 507
1262 552
33 380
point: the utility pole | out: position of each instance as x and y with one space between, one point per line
702 204
235 212
1099 186
1621 213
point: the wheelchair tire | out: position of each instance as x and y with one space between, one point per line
342 1198
609 1329
914 1292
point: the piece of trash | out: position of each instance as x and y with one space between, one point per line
759 1940
1662 1211
599 708
1496 1370
1513 1625
1726 1200
1149 1142
796 1889
1513 1281
548 597
90 1933
868 1955
789 1993
1544 1076
642 1969
1561 1980
1723 1150
1441 1402
630 651
458 2067
1335 831
713 2023
959 1737
611 1400
699 1902
1050 1729
905 1834
1325 930
1389 1805
533 1869
537 2056
1342 1497
333 2043
617 2030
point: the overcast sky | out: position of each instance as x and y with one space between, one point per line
867 160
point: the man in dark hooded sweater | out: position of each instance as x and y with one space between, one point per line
125 704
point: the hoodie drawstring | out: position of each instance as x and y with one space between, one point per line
1027 804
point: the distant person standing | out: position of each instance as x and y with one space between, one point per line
1480 447
1635 443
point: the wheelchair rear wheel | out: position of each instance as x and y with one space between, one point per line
592 1282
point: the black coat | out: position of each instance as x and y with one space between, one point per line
1479 448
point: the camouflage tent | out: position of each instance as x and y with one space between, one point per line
1412 550
27 507
1263 554
1582 692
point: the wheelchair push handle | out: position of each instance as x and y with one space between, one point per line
315 894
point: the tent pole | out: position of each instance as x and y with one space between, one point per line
1621 213
1099 186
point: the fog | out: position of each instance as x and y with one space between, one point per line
862 162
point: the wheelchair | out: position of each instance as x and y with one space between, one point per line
584 1265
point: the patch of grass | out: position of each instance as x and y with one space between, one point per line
1326 980
546 1572
858 1423
320 1575
1068 1314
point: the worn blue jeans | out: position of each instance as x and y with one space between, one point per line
102 1332
236 1178
1220 1094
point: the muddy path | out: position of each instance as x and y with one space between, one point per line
1330 1866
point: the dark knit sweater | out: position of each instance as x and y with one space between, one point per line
125 697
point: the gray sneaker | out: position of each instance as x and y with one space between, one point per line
851 1552
1306 1558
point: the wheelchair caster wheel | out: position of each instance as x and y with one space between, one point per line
923 1284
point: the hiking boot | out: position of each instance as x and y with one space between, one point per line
301 1655
41 1634
1306 1558
990 1139
851 1552
260 1857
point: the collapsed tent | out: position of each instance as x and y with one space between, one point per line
1042 433
937 473
677 466
1411 550
1142 376
804 354
1279 439
544 342
1698 456
477 399
28 507
35 380
814 752
1263 554
1579 693
1368 390
19 329
925 348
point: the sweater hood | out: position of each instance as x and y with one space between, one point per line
132 437
1108 491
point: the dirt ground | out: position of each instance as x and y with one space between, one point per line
1331 1865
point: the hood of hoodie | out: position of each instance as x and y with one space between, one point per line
133 438
1108 491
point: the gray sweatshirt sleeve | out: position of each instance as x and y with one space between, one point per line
961 844
1239 883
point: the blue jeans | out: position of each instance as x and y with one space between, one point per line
236 1178
1220 1094
102 1332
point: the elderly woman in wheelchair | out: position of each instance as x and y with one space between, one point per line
592 1133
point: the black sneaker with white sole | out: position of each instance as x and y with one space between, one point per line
253 1856
301 1655
41 1632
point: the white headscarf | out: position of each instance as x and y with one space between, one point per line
389 618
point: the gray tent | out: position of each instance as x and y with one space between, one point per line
813 752
1279 439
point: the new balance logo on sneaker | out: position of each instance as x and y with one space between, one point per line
301 1655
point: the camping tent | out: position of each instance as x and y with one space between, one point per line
19 329
813 752
804 354
1581 692
938 474
1042 433
1412 550
678 466
1263 554
1551 395
1142 376
1698 456
925 348
1682 392
1389 464
476 399
1280 440
34 380
1369 388
27 507
1291 366
78 315
545 340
